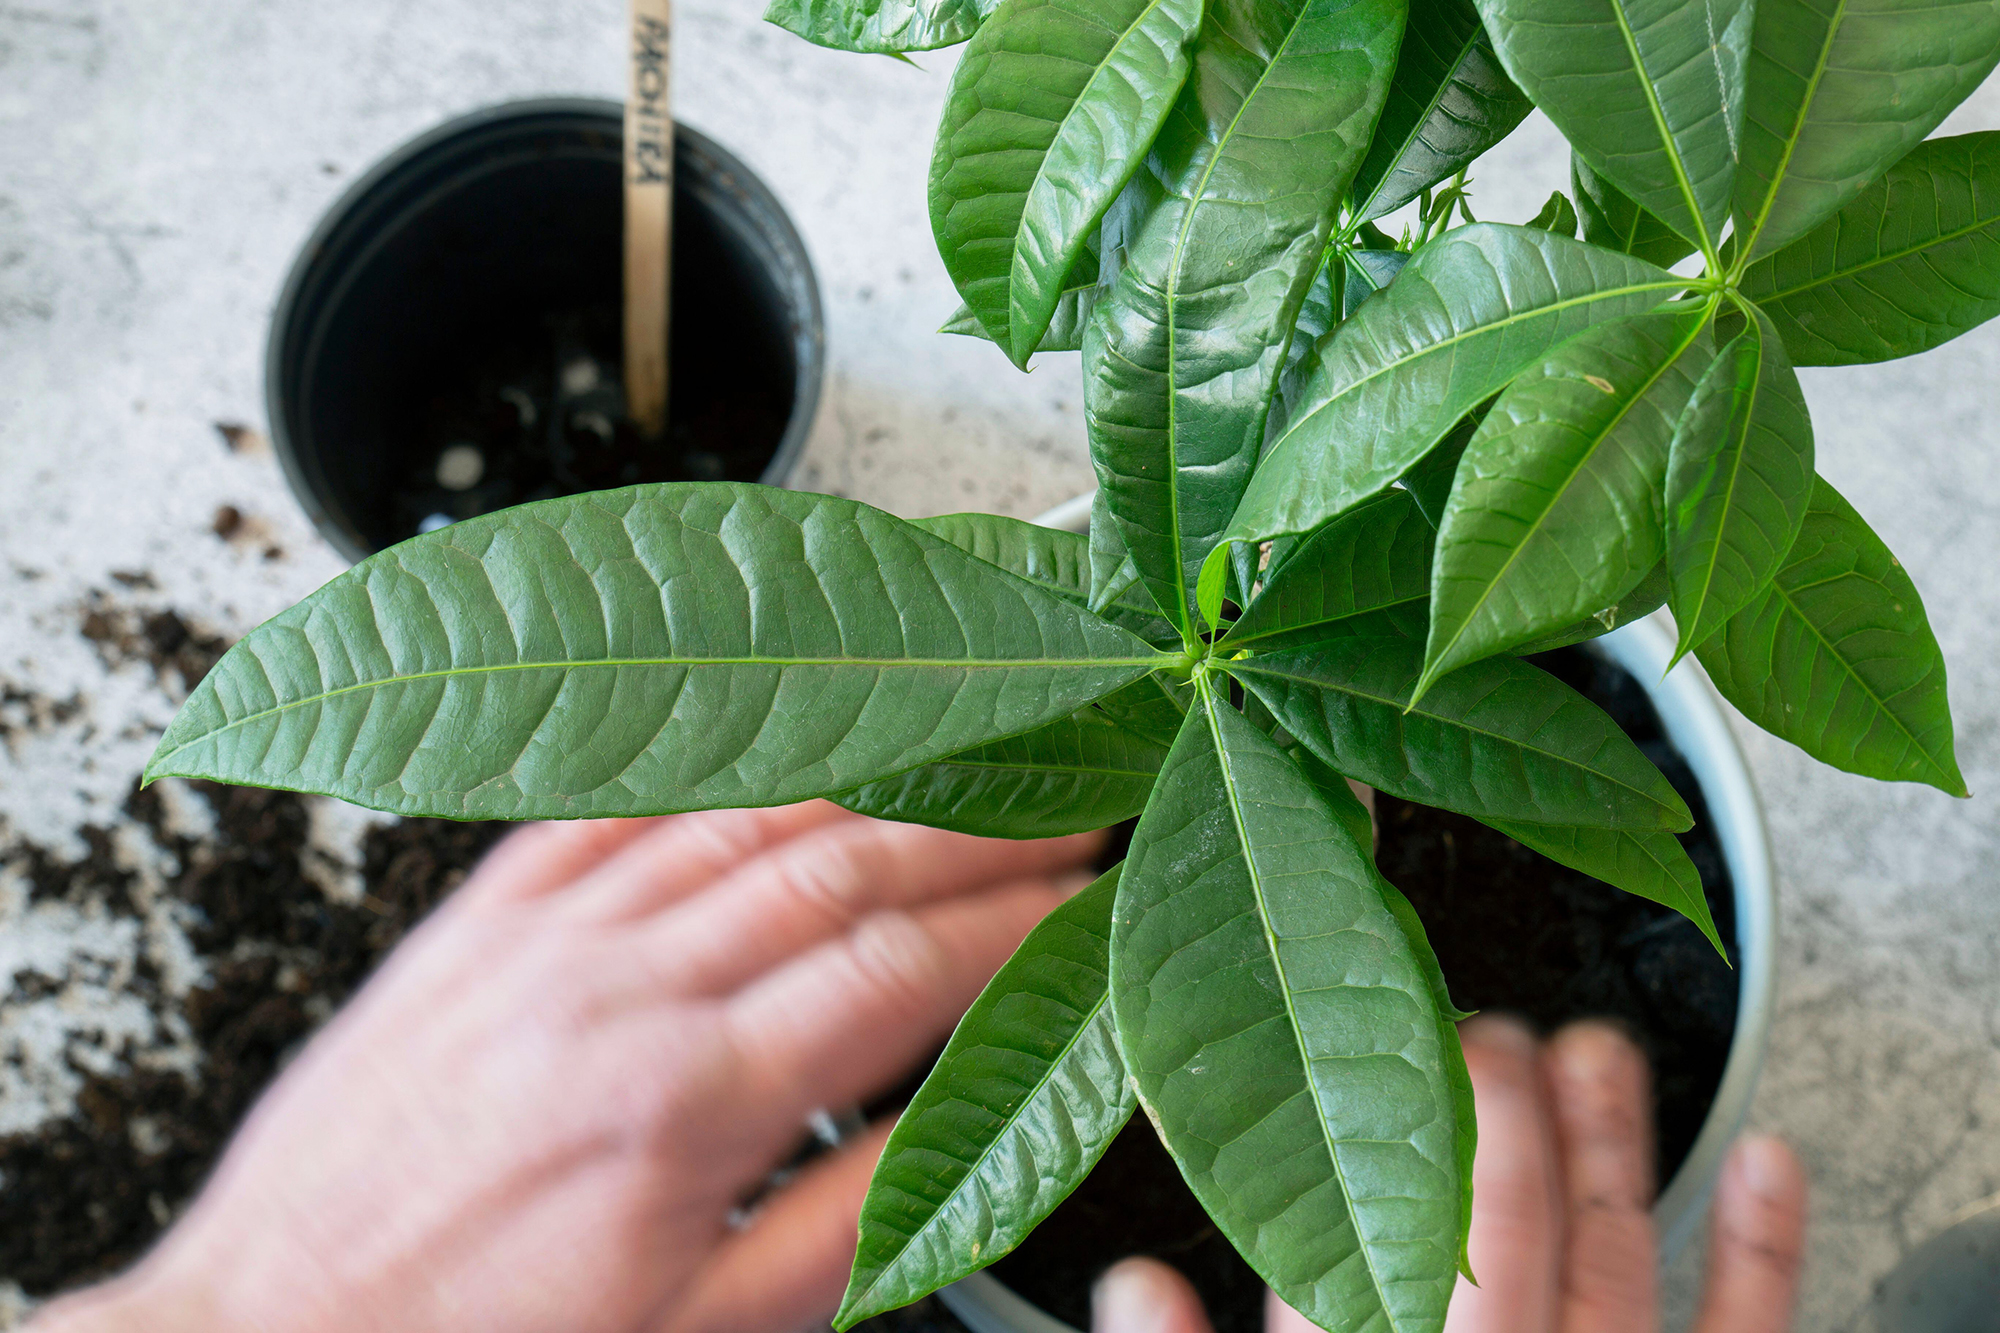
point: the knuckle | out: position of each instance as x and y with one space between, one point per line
897 958
826 876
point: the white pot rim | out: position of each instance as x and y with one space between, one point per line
1691 713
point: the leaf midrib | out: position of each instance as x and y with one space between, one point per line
1783 594
972 1173
1041 174
872 663
1535 527
1741 454
1195 200
1942 238
1416 134
1428 349
1285 990
1756 231
1249 668
1667 140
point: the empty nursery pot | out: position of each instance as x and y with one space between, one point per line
448 343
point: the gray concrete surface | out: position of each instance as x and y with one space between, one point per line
160 162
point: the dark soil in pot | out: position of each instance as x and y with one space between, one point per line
450 343
1514 932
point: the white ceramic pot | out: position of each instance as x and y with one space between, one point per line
1691 713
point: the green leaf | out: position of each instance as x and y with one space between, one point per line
1839 91
1377 554
1152 706
1449 103
1050 112
1838 658
1368 272
1740 475
1650 92
1065 333
1498 739
1649 596
884 26
1613 221
1472 310
1651 864
1558 215
1113 572
1430 479
1556 510
1025 1099
1084 772
1234 207
1283 1036
1456 1073
1912 263
1051 559
652 649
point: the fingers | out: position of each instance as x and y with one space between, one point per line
847 1018
789 1267
1601 1092
1516 1204
1757 1242
1145 1296
536 858
818 885
1282 1318
682 854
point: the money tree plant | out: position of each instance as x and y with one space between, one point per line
1347 482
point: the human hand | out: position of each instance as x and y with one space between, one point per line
544 1109
1562 1226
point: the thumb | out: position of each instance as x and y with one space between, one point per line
1145 1296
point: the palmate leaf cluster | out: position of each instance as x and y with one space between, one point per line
1347 482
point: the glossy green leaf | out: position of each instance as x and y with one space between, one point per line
1368 272
1840 90
1050 112
1838 658
1449 103
1472 310
1430 480
1612 220
1113 572
1025 1099
1377 554
1498 739
1051 559
1456 1074
1234 205
1558 215
1081 773
1912 263
1651 864
1650 92
1283 1036
885 26
1647 597
1556 510
658 648
1738 481
1152 706
1065 332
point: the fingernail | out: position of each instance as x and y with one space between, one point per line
1502 1031
1073 882
1766 1165
1133 1296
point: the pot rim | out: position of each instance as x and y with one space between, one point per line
726 171
1691 713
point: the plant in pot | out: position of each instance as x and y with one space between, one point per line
1346 484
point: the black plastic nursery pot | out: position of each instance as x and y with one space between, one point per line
448 342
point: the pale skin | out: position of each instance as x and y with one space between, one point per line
547 1109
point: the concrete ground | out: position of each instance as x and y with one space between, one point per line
161 162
